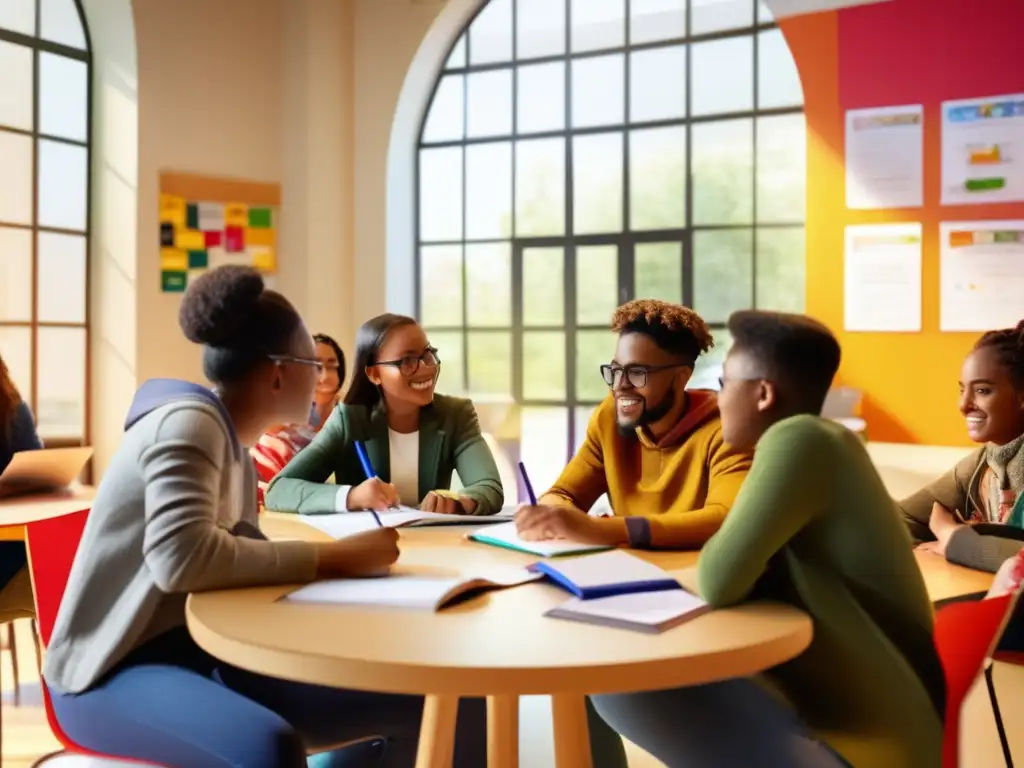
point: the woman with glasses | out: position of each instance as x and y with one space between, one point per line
414 438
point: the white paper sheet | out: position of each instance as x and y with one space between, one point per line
983 150
885 157
982 275
638 610
882 278
343 524
614 567
506 535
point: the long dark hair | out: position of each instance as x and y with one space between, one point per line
10 399
323 338
369 339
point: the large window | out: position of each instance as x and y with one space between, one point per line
579 153
44 209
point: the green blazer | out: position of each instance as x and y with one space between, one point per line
450 440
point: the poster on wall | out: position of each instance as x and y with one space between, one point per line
983 150
207 222
885 157
882 278
982 275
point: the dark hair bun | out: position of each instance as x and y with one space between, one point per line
219 305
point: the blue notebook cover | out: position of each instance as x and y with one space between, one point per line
606 575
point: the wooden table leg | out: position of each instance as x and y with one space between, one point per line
437 732
572 737
502 732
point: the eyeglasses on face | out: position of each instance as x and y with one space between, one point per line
318 364
635 375
409 364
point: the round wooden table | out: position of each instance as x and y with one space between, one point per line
22 510
498 645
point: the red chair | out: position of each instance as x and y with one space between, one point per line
51 551
966 635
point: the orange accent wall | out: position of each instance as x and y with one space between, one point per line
919 52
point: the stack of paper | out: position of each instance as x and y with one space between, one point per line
606 574
641 611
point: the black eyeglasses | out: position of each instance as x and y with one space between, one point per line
318 364
409 364
636 375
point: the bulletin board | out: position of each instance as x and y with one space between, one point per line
207 222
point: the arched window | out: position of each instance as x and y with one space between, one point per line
45 69
580 153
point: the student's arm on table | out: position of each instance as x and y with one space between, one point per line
970 549
689 528
476 466
949 490
786 488
302 485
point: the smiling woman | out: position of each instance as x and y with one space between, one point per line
412 438
987 487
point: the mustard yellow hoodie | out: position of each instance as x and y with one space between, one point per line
673 494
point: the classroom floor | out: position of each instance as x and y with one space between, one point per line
26 736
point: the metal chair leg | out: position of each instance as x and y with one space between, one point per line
999 718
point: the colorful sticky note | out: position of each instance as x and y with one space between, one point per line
259 237
189 240
197 260
260 217
211 217
192 216
172 210
263 259
213 239
173 281
173 259
234 239
236 215
166 234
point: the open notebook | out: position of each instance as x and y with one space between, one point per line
44 470
606 574
342 524
408 590
507 537
650 612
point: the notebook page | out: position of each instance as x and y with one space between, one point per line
608 568
341 524
397 591
507 535
650 608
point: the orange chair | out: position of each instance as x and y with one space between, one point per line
966 635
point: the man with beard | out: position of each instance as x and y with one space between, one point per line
655 448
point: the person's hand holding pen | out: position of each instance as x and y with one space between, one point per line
542 522
373 493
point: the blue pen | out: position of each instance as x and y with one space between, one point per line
529 486
364 459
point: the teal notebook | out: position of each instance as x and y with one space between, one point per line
506 536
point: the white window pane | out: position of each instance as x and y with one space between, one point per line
15 274
63 97
15 86
540 28
544 443
540 187
18 16
63 186
441 194
778 81
657 84
16 352
489 191
61 287
598 90
597 183
651 20
540 102
598 24
714 15
657 178
489 286
490 34
781 168
764 16
59 22
457 58
60 370
445 118
723 76
441 285
722 172
489 103
16 189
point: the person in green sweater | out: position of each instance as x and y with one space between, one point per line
813 527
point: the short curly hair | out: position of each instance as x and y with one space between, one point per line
1008 345
676 329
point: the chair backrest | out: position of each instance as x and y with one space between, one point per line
966 635
52 545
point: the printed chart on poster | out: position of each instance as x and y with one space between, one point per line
885 157
983 150
982 280
208 222
882 278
